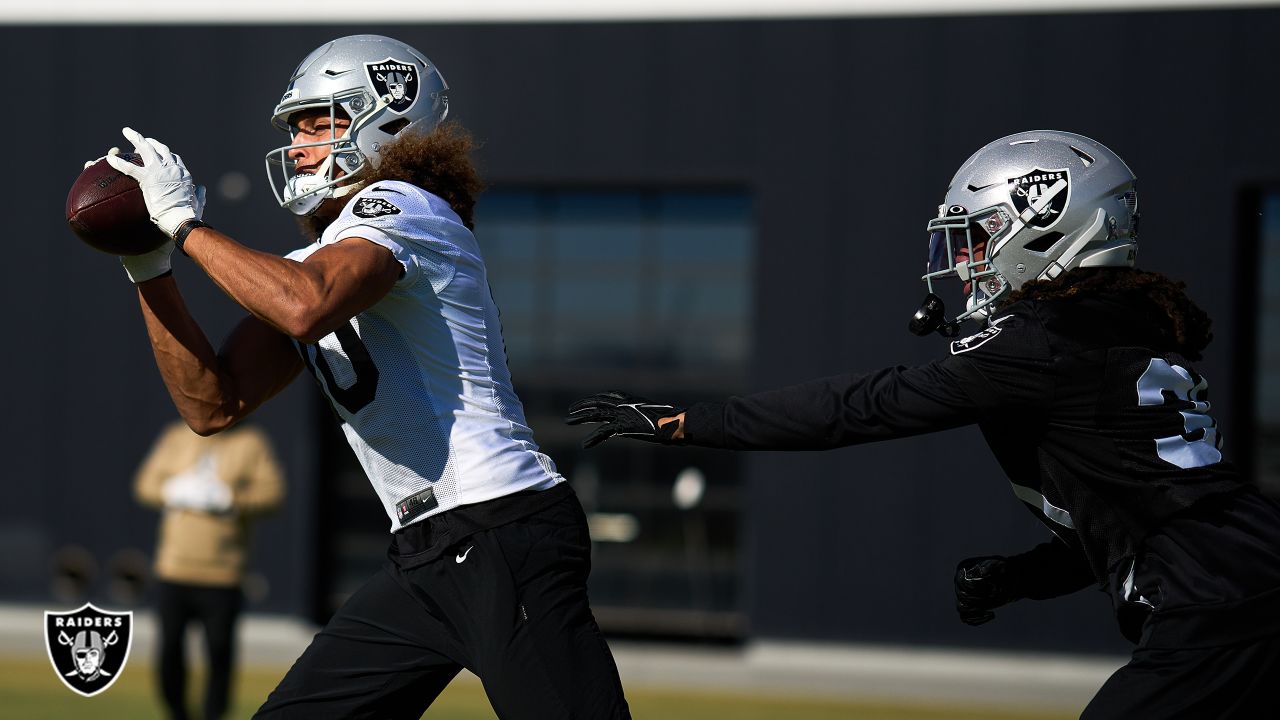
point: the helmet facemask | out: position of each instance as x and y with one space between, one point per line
959 247
303 192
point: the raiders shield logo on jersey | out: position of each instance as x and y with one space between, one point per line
1046 192
979 339
369 207
88 647
397 79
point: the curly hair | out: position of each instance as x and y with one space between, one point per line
1169 311
438 162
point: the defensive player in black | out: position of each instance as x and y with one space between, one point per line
1082 384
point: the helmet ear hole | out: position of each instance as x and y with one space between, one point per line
1044 242
1085 157
394 126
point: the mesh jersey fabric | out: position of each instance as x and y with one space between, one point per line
420 379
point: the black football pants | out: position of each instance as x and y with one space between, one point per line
508 603
1229 682
216 609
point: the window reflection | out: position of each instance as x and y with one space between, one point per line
648 291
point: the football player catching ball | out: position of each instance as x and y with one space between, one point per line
390 310
1081 380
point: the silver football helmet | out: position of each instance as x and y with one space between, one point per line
384 86
1034 205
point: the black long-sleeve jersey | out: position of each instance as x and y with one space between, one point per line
1103 430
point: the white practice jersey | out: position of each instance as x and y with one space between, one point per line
420 379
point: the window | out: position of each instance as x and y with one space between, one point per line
649 292
596 280
1266 401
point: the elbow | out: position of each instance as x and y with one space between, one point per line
203 429
309 334
307 324
206 426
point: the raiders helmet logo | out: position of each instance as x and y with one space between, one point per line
395 78
1045 192
88 647
371 207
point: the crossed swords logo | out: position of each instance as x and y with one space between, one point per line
88 647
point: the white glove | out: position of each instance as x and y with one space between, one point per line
196 491
141 268
147 266
90 163
166 185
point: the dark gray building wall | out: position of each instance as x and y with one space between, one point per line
845 132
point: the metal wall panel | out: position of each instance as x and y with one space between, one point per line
846 133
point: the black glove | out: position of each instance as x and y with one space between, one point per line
623 415
982 585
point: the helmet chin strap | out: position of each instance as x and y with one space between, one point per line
308 194
308 191
344 190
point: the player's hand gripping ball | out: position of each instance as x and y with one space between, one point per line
106 210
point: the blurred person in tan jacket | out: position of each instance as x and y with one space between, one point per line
208 489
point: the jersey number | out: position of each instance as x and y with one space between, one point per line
1197 446
362 391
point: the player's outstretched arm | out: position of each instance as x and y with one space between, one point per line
621 414
817 415
213 390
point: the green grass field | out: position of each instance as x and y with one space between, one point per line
29 691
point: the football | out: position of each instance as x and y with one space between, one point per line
105 209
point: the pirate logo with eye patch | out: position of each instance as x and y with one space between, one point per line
1044 192
88 647
395 78
371 207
